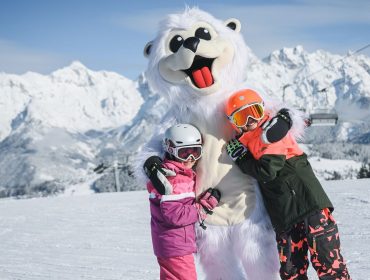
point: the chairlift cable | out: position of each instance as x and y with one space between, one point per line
325 67
332 85
341 59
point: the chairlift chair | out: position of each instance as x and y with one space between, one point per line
323 117
319 117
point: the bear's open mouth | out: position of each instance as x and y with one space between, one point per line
200 72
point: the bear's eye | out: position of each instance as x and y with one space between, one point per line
175 43
203 33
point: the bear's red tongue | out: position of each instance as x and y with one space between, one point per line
203 77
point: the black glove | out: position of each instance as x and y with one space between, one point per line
277 128
284 114
157 175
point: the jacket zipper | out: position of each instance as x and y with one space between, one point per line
292 191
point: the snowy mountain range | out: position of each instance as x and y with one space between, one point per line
56 129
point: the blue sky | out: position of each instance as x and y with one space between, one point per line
44 35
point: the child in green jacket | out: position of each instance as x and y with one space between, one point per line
300 211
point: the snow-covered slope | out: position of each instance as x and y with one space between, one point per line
107 236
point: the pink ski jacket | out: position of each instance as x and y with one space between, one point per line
174 215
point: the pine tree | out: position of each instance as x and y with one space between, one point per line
336 176
364 171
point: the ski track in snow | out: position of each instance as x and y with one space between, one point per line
107 236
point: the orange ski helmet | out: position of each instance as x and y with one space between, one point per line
242 105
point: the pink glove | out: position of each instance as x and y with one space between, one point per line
206 202
209 200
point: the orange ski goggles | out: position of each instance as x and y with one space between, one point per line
241 116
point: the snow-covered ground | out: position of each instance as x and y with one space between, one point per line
326 168
107 236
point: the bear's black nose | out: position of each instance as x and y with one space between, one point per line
191 43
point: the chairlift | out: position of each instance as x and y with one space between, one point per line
318 117
323 116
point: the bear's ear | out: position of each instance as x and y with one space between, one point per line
148 48
233 24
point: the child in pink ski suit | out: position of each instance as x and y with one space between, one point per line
174 210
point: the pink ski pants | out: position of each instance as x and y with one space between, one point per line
177 268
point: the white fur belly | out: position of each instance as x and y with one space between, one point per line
217 170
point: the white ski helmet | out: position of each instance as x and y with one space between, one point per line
183 141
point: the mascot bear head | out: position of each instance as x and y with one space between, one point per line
195 57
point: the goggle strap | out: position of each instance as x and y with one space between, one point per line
245 106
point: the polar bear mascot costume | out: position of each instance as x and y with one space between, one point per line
196 62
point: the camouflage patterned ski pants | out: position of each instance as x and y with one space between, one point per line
318 234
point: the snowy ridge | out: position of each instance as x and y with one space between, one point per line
73 98
55 129
151 112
